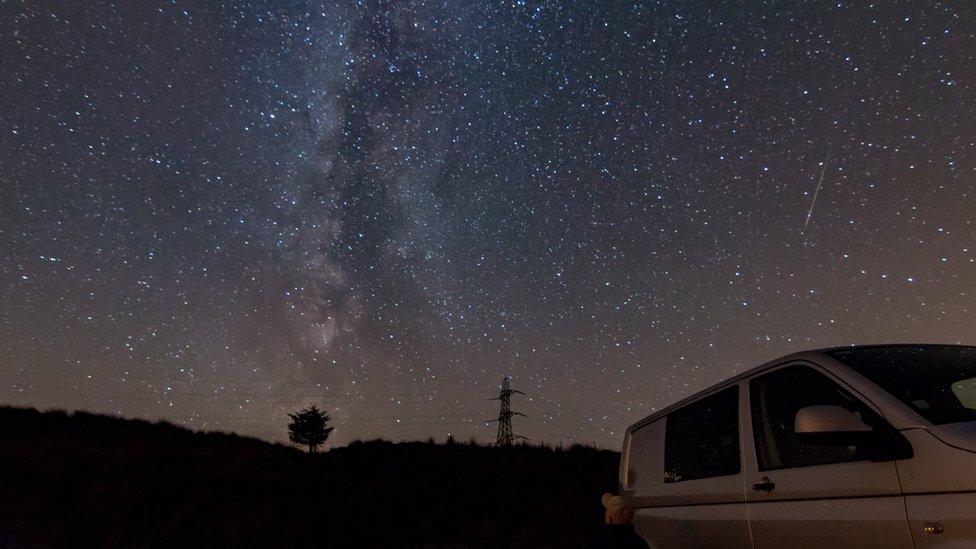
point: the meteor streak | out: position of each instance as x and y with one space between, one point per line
816 192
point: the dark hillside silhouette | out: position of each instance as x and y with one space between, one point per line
88 480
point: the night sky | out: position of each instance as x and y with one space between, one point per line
215 214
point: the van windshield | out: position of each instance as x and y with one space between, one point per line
937 381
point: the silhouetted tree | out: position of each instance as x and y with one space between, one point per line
309 427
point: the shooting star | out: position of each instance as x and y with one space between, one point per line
816 192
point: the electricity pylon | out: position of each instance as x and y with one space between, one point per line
505 435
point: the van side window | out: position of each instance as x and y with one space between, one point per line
702 439
777 397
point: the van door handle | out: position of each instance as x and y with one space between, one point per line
764 485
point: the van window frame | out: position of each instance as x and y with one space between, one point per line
737 443
871 409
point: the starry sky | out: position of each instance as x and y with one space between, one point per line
215 213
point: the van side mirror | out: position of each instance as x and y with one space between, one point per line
831 426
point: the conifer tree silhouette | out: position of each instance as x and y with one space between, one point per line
309 427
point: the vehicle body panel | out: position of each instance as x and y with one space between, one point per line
858 503
953 513
886 503
707 526
718 517
939 484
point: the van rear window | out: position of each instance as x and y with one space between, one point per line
701 440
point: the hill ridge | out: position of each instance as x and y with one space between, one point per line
89 479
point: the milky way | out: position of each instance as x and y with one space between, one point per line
216 213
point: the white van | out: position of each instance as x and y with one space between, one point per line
847 447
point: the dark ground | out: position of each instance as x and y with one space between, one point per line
86 480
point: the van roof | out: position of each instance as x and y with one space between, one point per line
799 355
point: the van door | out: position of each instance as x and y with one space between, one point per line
685 476
817 496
